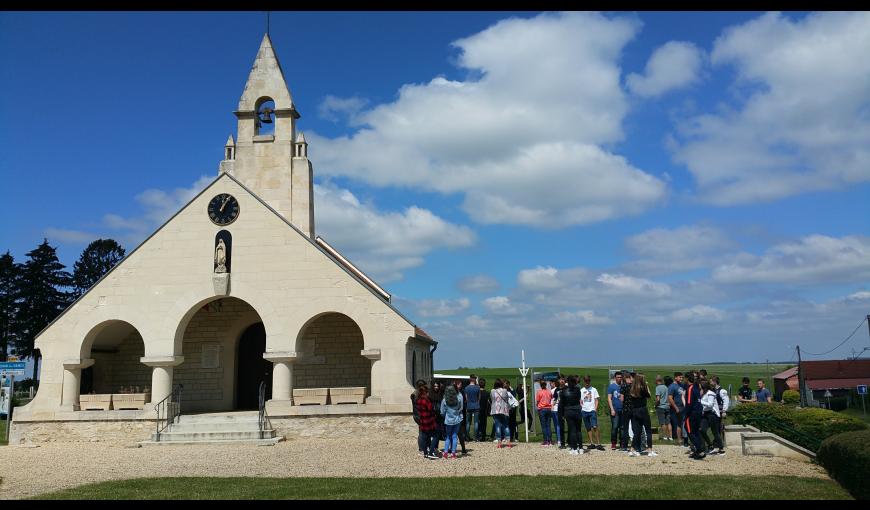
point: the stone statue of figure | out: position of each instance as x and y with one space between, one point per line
220 257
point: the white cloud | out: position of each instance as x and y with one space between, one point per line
523 143
859 296
333 108
698 314
479 283
684 248
815 258
540 278
476 322
383 244
500 305
583 316
674 65
622 284
803 125
442 307
68 236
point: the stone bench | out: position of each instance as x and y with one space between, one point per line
305 396
98 402
130 400
352 395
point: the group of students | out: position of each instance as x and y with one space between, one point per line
688 407
440 410
686 411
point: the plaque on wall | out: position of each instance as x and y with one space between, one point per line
211 355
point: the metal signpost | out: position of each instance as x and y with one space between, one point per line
828 396
524 371
10 369
862 390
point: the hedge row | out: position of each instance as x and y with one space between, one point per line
847 458
813 425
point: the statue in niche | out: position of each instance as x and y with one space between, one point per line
220 257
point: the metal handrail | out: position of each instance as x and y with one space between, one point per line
263 419
168 410
771 424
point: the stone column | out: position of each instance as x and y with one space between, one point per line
72 377
282 374
161 375
373 355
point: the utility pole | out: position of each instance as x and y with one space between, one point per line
801 378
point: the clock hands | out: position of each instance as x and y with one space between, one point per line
224 204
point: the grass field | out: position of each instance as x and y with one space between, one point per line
728 374
616 487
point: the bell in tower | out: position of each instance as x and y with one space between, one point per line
267 157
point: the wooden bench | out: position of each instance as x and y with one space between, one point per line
99 402
130 400
354 395
310 396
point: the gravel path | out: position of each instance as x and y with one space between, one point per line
27 471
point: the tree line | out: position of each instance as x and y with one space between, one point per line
34 292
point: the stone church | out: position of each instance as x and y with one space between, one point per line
234 290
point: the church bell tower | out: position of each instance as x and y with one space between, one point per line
268 155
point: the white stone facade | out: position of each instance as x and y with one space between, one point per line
162 312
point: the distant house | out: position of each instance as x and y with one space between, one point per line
785 380
837 376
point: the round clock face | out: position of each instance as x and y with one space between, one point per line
223 209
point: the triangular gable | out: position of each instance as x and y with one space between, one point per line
254 195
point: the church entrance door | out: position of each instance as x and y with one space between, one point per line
252 368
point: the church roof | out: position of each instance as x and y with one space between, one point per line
308 239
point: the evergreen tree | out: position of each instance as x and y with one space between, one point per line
9 302
42 297
96 260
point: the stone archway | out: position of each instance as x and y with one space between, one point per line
115 346
330 347
211 345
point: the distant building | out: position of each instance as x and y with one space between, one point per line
837 376
785 380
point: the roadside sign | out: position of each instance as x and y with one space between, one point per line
828 394
862 389
13 367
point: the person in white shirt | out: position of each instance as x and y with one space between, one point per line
589 411
713 416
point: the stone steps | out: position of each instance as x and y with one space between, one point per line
224 428
259 442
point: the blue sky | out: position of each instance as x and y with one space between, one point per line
594 188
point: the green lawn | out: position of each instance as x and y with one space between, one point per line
615 487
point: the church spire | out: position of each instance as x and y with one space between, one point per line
266 79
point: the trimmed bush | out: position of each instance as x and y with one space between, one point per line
812 425
847 458
791 397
